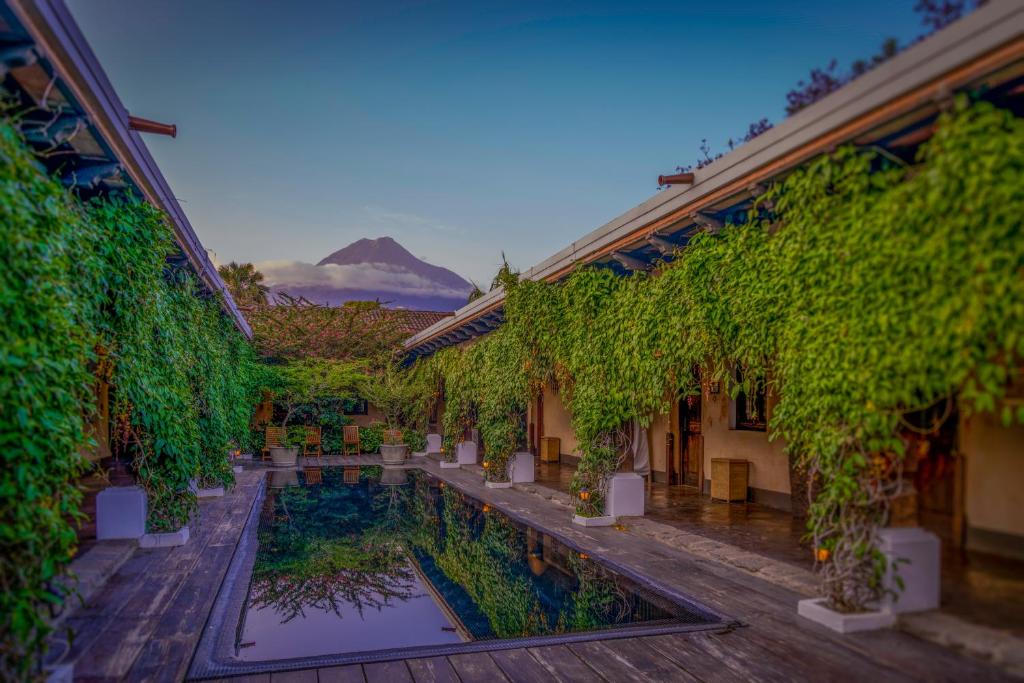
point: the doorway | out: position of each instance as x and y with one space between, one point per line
691 442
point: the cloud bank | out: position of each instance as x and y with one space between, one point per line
280 275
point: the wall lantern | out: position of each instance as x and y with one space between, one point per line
486 464
584 494
822 554
715 387
486 508
584 556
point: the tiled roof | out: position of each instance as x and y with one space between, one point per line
411 321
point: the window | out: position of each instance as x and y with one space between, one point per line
750 410
356 406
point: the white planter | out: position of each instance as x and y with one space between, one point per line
237 469
284 457
498 484
605 520
433 443
121 512
465 454
445 465
625 495
210 493
522 468
165 540
393 454
815 610
420 454
914 555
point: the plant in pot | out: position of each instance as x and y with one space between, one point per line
301 382
389 391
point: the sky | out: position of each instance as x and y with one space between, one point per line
461 129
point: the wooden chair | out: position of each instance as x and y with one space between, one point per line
350 439
313 442
273 437
313 475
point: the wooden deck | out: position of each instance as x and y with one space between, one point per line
144 625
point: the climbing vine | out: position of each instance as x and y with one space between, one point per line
858 289
86 295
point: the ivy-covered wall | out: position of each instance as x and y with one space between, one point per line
861 287
85 292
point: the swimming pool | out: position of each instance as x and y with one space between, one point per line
347 564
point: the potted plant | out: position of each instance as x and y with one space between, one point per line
302 382
389 391
287 454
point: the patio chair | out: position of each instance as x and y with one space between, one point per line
273 437
313 442
350 439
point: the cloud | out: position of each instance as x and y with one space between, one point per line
364 276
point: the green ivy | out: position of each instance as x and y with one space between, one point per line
86 294
859 288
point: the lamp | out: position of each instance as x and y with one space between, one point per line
584 493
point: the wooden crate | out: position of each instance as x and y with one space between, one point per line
729 479
550 449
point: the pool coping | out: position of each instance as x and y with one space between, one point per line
214 654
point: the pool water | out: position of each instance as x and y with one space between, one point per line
357 559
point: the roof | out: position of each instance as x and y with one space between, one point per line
44 51
408 320
890 106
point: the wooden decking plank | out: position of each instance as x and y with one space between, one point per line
652 663
562 663
720 658
476 667
387 672
353 673
432 670
304 676
612 665
520 666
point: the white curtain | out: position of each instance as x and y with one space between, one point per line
641 451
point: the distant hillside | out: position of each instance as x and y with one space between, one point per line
369 269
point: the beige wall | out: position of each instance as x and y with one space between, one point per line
769 466
660 426
994 490
373 414
558 422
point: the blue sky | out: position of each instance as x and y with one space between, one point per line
461 129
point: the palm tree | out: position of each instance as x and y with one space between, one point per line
245 284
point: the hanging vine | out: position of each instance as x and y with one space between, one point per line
86 294
859 289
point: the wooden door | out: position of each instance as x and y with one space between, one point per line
691 442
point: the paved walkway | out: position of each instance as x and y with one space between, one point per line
144 624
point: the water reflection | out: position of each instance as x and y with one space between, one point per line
357 559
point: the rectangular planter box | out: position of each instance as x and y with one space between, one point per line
815 610
604 520
121 512
165 540
210 493
498 484
421 454
522 468
237 469
550 449
445 465
729 479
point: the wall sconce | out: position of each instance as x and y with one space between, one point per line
486 464
486 508
715 387
584 494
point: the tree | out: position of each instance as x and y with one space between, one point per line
298 328
306 380
245 284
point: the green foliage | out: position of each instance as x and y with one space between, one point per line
309 380
370 438
86 294
388 390
859 289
